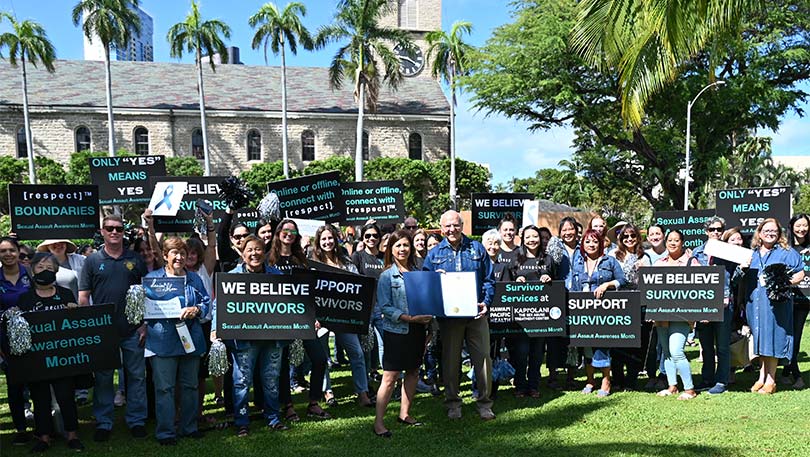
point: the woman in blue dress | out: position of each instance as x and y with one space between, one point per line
771 322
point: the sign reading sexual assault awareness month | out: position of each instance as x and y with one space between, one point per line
693 293
530 308
310 197
746 208
265 307
489 209
49 211
611 321
67 342
382 201
123 180
343 302
690 223
199 187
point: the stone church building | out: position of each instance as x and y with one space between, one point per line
156 109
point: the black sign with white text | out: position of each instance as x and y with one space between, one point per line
382 201
123 180
611 321
50 211
690 223
343 302
529 308
748 207
310 197
199 187
688 294
489 209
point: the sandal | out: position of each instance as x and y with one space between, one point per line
243 431
757 385
279 427
290 414
588 389
602 393
687 396
317 412
667 392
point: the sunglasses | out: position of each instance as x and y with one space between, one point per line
24 256
630 236
369 236
714 229
410 227
238 237
289 232
114 228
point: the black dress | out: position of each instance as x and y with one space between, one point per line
404 351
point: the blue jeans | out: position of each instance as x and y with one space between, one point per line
135 374
357 361
167 373
268 354
673 340
716 335
525 351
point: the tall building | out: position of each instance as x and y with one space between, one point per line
139 47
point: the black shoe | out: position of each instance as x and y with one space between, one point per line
75 445
385 434
40 447
196 435
415 422
101 435
167 442
138 431
21 438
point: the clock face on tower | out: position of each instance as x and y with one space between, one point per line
410 63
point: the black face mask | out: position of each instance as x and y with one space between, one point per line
45 277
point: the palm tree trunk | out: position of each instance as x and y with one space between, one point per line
358 148
110 122
29 146
453 198
207 159
284 157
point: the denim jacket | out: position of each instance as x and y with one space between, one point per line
700 256
392 300
161 334
608 269
470 256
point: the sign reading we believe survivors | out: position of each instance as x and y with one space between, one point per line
489 209
265 307
611 321
748 207
382 201
690 223
343 302
123 180
67 342
689 294
310 197
199 187
529 308
49 211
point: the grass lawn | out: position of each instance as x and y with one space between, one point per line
737 423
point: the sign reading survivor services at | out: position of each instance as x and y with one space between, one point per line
612 321
343 302
690 223
382 201
265 307
123 180
67 342
489 209
199 187
310 197
529 308
682 293
46 211
748 207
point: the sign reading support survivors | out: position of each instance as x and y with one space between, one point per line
530 308
123 180
343 302
748 207
67 342
690 223
382 201
48 211
611 321
683 293
265 307
489 209
199 187
310 197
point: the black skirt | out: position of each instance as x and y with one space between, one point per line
404 352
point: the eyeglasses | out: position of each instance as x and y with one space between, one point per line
369 236
238 237
114 228
24 256
289 232
411 227
714 229
770 232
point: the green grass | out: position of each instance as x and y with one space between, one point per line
737 423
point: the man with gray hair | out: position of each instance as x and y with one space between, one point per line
456 252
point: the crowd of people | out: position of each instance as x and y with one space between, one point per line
159 379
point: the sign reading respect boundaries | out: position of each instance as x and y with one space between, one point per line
47 211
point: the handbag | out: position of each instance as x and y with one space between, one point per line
502 371
742 350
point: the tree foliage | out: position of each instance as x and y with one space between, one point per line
183 166
260 174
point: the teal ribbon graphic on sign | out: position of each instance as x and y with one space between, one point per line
166 194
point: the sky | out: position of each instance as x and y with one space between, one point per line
510 150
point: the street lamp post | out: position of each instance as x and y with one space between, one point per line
688 141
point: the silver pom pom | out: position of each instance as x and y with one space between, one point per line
218 359
367 341
296 353
270 207
200 224
555 249
630 268
19 333
136 306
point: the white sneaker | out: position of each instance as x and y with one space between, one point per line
120 399
29 415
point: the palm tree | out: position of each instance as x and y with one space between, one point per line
194 34
647 42
451 61
274 29
27 42
356 23
112 22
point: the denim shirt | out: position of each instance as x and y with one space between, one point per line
392 300
608 269
470 256
161 334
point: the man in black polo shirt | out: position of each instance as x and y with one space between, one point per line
106 277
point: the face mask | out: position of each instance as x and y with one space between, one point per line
45 277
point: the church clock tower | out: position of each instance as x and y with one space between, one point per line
418 17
